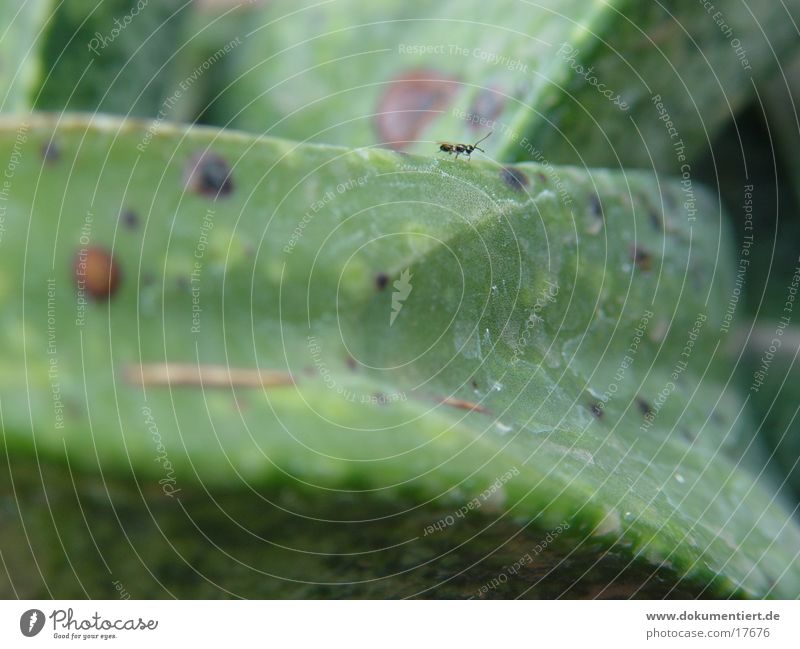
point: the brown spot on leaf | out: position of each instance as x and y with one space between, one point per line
50 152
642 258
596 206
96 273
208 174
596 211
514 178
463 404
130 219
597 409
542 177
381 281
352 364
644 407
410 102
656 218
474 384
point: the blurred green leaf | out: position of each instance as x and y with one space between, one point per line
567 82
538 327
21 27
114 56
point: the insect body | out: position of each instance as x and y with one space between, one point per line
466 149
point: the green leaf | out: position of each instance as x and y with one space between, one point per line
770 375
566 81
115 56
21 27
763 209
203 63
522 296
780 101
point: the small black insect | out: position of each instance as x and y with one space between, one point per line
466 149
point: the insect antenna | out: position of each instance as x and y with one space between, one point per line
475 146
